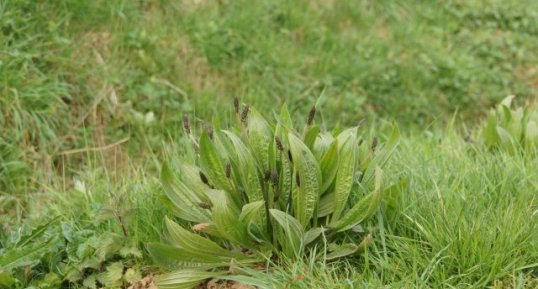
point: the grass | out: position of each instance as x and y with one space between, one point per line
92 96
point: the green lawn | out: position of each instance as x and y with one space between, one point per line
93 96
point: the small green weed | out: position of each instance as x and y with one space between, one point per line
511 129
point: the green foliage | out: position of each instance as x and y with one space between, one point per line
81 257
510 129
260 191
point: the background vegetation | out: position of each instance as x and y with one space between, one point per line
92 95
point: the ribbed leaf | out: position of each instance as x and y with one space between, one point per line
260 137
186 202
250 211
310 180
226 218
326 204
310 136
284 120
292 239
190 176
322 144
198 245
342 251
382 156
329 165
185 279
179 258
312 235
365 208
286 177
211 164
345 175
489 133
247 168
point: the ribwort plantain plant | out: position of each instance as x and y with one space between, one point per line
265 190
510 129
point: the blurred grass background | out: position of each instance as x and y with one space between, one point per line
88 73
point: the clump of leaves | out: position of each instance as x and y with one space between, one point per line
84 257
265 190
96 260
511 129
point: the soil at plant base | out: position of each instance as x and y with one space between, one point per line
222 284
147 282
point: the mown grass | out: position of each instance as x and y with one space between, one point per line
77 76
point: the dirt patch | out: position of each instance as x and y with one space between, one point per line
223 284
147 282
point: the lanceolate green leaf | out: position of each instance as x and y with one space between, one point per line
489 133
329 165
260 139
247 168
285 176
292 239
310 180
322 144
211 164
365 208
198 245
186 202
253 213
311 235
382 156
344 176
310 136
179 258
326 204
185 279
341 251
190 176
226 218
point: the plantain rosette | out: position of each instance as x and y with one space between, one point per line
264 192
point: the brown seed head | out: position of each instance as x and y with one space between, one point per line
205 206
374 143
274 178
267 176
210 132
186 124
244 114
236 105
228 170
289 156
311 116
279 145
204 179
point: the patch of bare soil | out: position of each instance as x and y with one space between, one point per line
147 282
223 284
